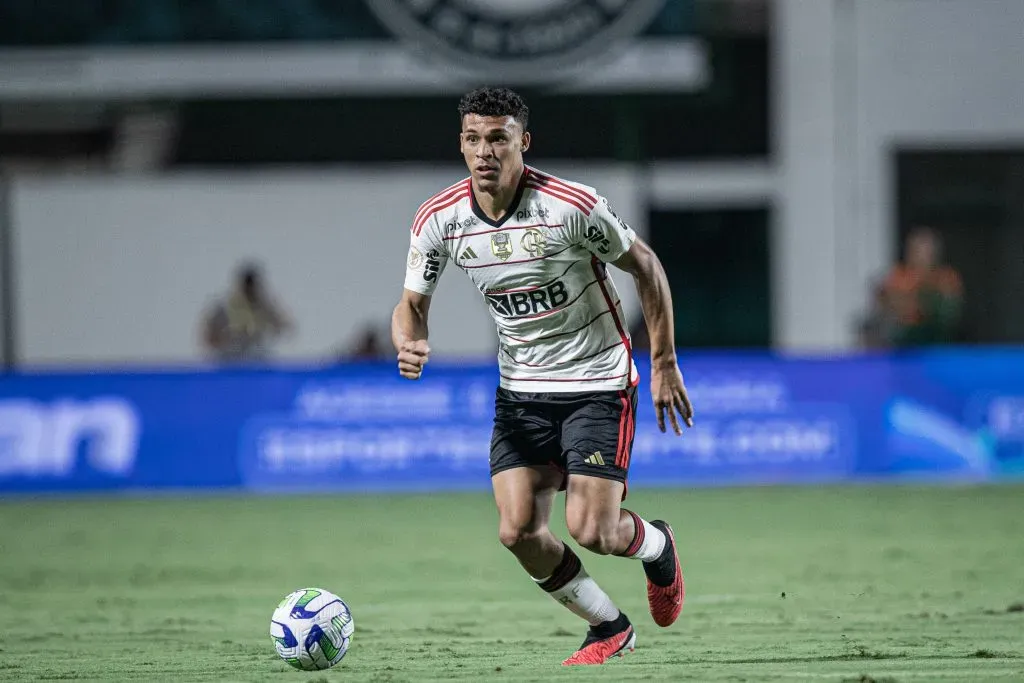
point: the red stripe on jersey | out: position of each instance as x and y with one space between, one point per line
427 206
623 428
570 189
571 360
552 184
418 227
525 260
439 197
510 227
615 317
563 379
436 199
535 287
568 199
560 334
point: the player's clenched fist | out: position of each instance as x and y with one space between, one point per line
412 356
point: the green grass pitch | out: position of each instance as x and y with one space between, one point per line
806 584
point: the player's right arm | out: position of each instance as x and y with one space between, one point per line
426 262
409 333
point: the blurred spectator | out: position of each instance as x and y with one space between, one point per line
144 139
371 344
921 300
877 327
241 326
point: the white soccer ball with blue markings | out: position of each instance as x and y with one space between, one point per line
312 629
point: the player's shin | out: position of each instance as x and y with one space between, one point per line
571 586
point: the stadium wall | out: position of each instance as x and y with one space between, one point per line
853 82
948 415
114 270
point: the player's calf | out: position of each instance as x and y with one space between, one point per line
538 550
593 516
524 496
599 539
606 529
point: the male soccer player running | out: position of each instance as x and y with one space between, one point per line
536 247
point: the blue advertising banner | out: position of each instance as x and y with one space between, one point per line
759 419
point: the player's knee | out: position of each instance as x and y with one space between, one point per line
595 538
515 537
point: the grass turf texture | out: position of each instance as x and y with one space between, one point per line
836 584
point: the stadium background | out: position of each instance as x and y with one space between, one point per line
774 153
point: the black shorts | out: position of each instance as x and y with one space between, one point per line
587 433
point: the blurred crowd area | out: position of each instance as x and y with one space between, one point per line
956 232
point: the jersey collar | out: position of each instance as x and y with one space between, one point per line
511 211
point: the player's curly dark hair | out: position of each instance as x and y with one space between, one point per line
495 102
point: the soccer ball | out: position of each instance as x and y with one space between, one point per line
312 629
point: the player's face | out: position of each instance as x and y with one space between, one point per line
493 147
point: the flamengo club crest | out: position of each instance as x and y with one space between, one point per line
525 38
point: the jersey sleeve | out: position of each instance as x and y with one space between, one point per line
604 234
427 259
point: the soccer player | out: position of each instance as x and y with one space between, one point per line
537 248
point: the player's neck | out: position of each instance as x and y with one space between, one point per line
496 204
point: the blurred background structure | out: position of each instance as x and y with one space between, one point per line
774 154
820 178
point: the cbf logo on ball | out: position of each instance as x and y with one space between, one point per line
529 38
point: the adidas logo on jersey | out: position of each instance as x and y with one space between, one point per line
594 458
467 254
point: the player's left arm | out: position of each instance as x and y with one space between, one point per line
667 387
611 240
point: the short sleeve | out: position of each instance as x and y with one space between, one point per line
427 259
605 234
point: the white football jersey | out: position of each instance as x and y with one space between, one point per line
541 269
